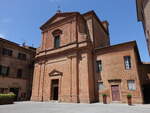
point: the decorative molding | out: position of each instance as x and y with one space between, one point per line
42 62
55 73
57 32
72 55
47 50
61 22
115 80
65 59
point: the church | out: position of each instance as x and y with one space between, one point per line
76 63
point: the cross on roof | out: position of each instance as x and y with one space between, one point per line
58 9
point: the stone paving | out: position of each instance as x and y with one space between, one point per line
54 107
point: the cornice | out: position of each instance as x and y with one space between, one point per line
4 42
47 50
45 56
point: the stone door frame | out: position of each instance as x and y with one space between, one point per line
55 75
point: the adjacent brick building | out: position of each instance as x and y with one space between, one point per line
143 14
16 69
76 63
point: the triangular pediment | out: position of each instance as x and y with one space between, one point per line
57 17
55 73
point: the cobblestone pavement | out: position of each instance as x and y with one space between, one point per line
54 107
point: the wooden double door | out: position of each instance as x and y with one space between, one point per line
115 93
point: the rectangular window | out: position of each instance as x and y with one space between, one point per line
21 56
131 85
56 41
1 90
4 71
7 52
19 73
127 62
101 86
99 66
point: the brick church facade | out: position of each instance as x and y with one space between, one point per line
76 63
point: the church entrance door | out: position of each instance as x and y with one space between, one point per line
55 89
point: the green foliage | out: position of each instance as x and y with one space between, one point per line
129 96
104 95
7 96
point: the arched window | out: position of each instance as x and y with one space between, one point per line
56 34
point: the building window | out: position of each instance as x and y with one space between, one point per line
1 90
19 73
98 66
101 86
7 52
21 56
4 71
57 41
56 34
127 62
131 85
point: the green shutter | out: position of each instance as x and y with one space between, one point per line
57 42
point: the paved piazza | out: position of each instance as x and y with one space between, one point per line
54 107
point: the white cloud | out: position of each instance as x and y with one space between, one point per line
2 35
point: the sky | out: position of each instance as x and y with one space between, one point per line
20 19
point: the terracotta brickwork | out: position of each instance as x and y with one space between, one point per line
114 72
14 81
147 20
68 73
143 9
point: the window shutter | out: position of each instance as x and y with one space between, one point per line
0 69
7 71
127 62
